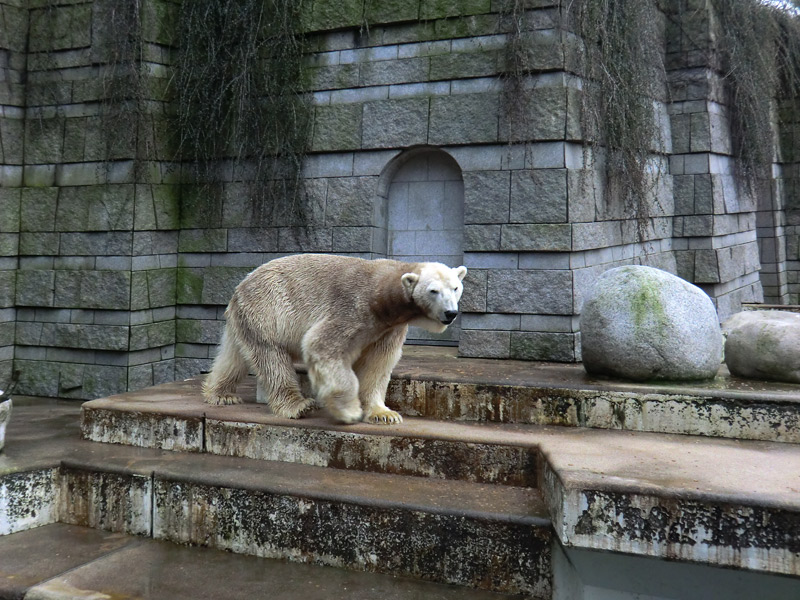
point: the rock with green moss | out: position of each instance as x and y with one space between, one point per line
763 345
643 324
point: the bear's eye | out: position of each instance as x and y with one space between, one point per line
434 291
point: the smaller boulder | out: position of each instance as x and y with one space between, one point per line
763 344
642 323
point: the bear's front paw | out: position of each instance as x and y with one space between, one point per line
222 400
347 415
383 416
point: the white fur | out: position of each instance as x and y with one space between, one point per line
346 318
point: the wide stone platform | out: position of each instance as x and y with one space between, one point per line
434 383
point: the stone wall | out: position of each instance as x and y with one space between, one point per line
95 280
112 278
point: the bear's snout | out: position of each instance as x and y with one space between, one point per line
450 316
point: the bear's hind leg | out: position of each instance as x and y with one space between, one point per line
275 370
374 369
228 370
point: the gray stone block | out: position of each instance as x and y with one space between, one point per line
93 289
96 244
395 123
558 347
156 207
38 244
8 289
202 240
154 242
533 292
89 337
350 201
198 332
353 239
387 72
539 114
9 244
539 196
473 298
486 196
484 344
140 377
152 335
681 139
305 239
246 239
35 288
490 321
464 119
460 65
219 283
683 189
37 211
337 127
482 238
536 238
9 210
700 132
602 234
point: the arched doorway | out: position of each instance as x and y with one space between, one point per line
425 219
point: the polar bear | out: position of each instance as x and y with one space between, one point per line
345 317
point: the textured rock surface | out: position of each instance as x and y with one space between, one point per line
5 413
642 323
764 345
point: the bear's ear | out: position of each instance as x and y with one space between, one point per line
409 281
461 272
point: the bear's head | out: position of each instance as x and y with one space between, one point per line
436 290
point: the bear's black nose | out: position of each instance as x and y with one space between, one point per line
450 315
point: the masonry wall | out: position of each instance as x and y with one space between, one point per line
115 269
13 24
95 282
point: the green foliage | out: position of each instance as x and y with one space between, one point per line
238 84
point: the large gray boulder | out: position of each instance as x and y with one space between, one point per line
764 344
643 324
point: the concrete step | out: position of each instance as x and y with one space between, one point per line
478 535
174 417
433 383
64 562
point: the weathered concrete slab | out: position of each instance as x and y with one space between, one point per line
35 556
717 502
372 451
177 423
90 564
433 383
469 542
28 499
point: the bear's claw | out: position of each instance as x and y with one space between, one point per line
384 417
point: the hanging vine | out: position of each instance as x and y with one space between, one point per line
240 112
759 54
